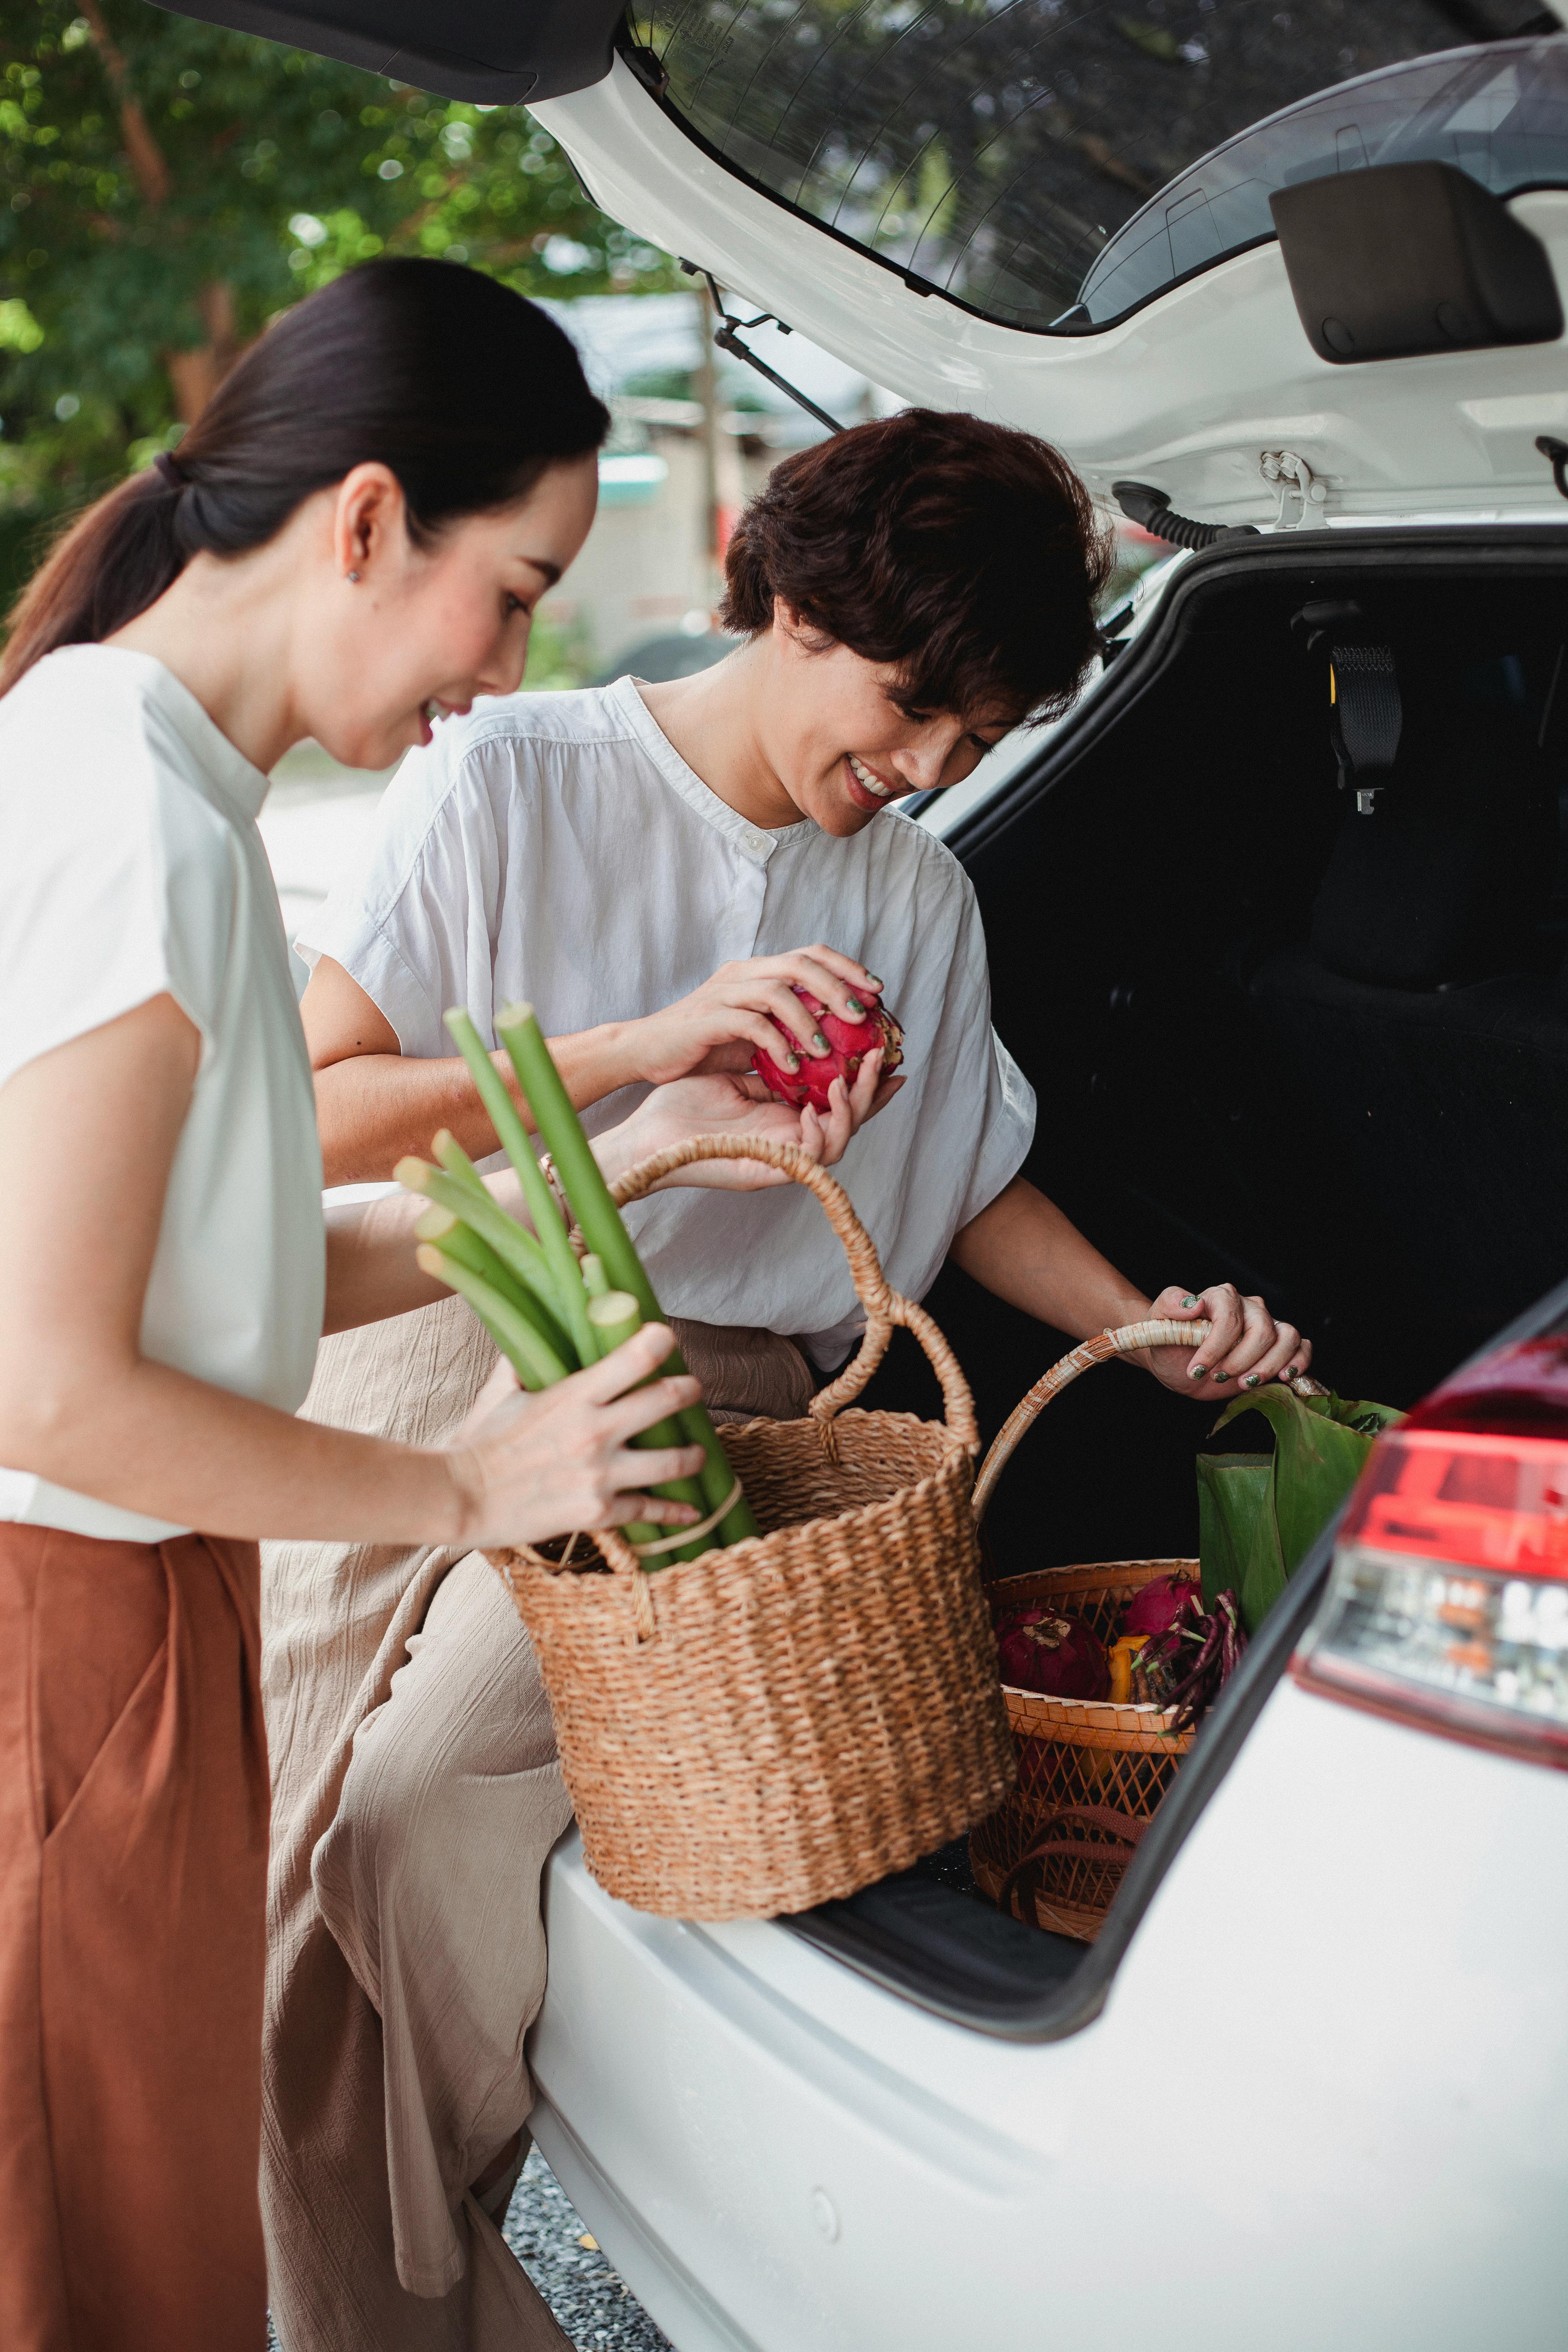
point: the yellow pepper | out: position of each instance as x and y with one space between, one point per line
1120 1658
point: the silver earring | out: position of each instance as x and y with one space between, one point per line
353 579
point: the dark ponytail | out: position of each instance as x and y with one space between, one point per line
468 393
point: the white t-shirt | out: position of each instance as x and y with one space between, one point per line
132 866
556 848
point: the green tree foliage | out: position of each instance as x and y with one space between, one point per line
166 187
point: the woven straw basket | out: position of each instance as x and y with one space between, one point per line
791 1718
1090 1774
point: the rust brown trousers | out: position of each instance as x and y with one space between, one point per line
132 1944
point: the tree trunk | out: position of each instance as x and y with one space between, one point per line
143 150
195 374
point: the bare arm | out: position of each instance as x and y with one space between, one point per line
371 1267
1025 1251
373 1105
87 1136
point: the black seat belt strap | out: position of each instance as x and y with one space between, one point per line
1365 718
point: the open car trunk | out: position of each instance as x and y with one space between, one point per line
1318 1053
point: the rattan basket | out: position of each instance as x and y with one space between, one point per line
1090 1774
786 1720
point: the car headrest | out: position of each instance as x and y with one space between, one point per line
1447 879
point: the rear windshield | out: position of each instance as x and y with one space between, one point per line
1032 159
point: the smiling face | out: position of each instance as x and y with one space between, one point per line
426 630
842 741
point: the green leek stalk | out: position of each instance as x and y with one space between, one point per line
533 1361
595 1281
452 1157
606 1236
572 1298
456 1239
616 1317
518 1251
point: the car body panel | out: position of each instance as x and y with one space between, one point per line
1191 392
1323 2097
1336 2050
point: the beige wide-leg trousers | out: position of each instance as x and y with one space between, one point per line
415 1797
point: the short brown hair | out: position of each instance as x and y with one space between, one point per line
964 554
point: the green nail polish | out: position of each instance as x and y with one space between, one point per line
1196 1371
1221 1376
1251 1381
819 1041
1189 1302
856 1009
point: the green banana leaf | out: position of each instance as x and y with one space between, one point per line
1236 1520
1258 1517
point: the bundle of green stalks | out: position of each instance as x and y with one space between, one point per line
549 1315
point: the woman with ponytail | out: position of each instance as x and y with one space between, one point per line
351 541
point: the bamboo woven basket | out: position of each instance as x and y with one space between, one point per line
1090 1774
787 1720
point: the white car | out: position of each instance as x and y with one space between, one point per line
1289 979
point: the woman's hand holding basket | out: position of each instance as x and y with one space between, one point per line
1245 1346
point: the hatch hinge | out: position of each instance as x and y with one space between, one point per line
1299 487
728 340
647 64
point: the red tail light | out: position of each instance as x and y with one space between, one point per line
1448 1603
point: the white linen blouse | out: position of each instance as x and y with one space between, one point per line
556 848
132 866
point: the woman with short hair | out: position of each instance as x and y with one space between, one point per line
643 862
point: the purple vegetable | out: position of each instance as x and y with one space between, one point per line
1184 1669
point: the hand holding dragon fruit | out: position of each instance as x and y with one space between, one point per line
848 1042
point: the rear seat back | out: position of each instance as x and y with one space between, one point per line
1432 1060
1448 880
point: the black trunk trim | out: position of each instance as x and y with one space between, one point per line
490 52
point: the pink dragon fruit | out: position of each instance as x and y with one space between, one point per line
1164 1604
849 1042
1038 1650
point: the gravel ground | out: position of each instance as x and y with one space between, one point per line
546 2235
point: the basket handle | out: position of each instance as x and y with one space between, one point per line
885 1307
1125 1830
1098 1350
